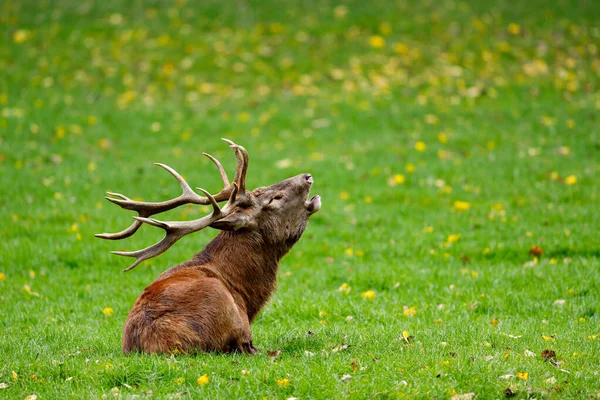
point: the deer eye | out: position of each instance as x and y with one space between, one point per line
276 197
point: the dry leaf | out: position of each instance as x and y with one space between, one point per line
509 393
340 348
529 353
346 378
536 251
273 354
3 385
548 355
463 396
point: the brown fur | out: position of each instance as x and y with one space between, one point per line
208 302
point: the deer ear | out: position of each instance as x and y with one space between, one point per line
234 222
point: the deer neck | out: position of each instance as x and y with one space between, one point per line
247 264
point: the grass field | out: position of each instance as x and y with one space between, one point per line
455 145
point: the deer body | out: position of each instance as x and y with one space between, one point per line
216 298
209 302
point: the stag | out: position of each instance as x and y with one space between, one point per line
208 303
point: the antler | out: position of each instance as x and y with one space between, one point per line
175 230
188 196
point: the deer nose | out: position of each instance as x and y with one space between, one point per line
309 178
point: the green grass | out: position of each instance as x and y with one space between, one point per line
503 95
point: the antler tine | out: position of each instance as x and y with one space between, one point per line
222 172
123 234
242 167
187 190
175 230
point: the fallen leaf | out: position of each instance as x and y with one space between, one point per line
273 354
548 338
536 251
548 355
340 348
551 380
3 385
31 397
529 353
346 378
463 396
509 393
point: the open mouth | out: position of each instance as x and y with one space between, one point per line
314 203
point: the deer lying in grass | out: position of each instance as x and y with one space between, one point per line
209 302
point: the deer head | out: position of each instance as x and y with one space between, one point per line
279 213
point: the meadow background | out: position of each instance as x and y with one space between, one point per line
454 143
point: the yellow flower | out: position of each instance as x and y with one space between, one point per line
344 288
349 251
21 35
179 381
514 29
401 49
2 276
420 146
60 132
548 338
15 376
399 179
104 143
285 382
495 322
385 28
409 312
571 180
454 237
442 138
410 168
377 41
203 380
461 205
108 311
340 12
431 119
427 229
368 295
523 375
344 195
